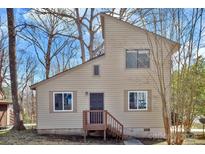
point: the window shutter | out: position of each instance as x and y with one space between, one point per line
50 101
74 101
125 100
149 100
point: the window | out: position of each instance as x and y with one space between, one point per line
137 100
63 101
137 59
96 70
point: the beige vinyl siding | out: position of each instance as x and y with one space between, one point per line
114 79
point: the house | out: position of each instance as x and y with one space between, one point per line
113 92
6 112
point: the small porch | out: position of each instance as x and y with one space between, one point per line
102 120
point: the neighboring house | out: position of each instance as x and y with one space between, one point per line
6 112
113 92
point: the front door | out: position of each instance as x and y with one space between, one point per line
96 103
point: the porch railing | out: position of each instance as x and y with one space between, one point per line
102 120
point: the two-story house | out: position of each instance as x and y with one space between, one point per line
113 92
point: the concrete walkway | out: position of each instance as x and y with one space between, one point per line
132 141
197 130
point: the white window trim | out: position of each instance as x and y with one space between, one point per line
62 92
146 92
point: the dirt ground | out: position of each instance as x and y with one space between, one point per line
30 137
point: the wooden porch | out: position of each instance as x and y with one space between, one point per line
102 120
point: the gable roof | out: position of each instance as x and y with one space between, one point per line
33 87
102 16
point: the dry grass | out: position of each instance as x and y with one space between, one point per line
30 137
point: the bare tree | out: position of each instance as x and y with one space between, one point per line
28 66
3 57
33 107
65 59
44 32
18 123
188 69
87 26
178 113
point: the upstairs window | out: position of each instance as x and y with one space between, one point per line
137 59
96 70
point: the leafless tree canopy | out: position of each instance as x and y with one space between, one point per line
49 41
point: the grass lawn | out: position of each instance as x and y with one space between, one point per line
30 137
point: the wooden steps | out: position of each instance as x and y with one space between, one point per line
102 120
114 132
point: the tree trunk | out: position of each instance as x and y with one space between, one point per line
47 56
48 63
79 27
1 85
166 120
33 108
187 126
1 68
21 105
18 123
91 34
